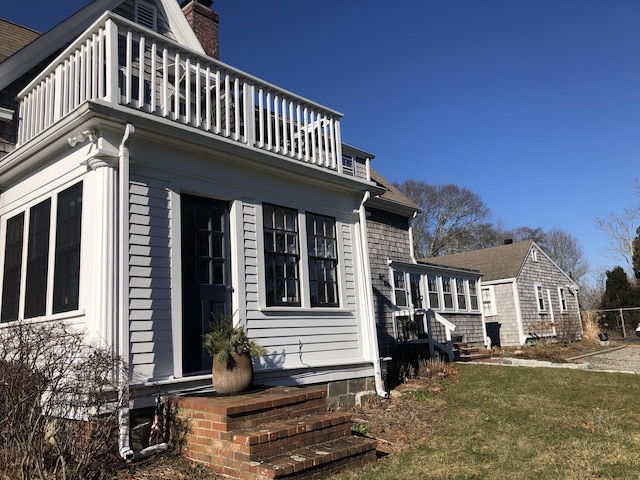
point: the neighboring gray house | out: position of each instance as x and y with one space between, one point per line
404 289
525 295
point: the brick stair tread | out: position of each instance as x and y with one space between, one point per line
473 356
287 428
316 455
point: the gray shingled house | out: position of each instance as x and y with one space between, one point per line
525 295
404 289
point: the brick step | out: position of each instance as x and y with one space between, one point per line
273 433
472 356
247 410
319 460
279 437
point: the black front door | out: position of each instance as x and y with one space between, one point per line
205 274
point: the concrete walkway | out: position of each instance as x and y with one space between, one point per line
624 359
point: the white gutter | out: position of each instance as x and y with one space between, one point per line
123 289
412 253
372 330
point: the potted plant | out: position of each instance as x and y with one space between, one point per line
231 351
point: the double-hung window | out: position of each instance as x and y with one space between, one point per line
323 260
400 288
563 299
488 302
461 294
447 292
432 286
540 298
473 294
34 235
282 255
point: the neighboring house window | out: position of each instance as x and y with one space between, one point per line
447 292
540 298
563 300
282 255
323 260
400 289
432 285
461 294
414 288
473 294
66 251
534 255
488 301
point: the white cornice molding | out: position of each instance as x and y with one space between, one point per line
6 114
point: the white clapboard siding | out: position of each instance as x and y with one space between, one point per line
346 231
296 340
250 255
150 279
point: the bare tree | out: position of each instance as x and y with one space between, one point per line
565 250
452 218
620 231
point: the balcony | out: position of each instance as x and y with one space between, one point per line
120 63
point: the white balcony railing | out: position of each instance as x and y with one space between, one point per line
119 62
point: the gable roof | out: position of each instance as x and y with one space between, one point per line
392 199
504 261
14 37
66 31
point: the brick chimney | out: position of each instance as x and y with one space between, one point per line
204 23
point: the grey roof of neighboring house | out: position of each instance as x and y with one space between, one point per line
392 194
495 263
13 37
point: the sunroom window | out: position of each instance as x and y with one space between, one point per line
27 295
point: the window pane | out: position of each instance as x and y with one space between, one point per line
323 263
281 255
447 292
432 285
37 260
66 284
12 268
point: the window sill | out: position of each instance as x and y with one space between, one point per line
49 318
307 311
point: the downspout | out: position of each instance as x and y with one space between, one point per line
123 289
373 335
412 252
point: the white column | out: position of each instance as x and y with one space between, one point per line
101 310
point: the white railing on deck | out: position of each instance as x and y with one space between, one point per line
119 62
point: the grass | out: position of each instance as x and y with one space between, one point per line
528 423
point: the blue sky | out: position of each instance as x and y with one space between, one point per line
532 104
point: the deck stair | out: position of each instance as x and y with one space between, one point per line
465 353
282 432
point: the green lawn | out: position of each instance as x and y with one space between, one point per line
528 423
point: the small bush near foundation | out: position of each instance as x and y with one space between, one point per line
59 404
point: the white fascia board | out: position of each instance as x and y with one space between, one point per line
180 26
52 40
422 267
500 281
